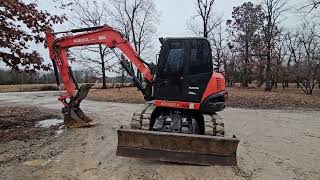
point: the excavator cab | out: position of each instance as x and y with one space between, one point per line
184 69
181 124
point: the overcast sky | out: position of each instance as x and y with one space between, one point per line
174 15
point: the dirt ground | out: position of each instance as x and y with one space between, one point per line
275 144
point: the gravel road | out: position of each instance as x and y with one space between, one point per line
275 144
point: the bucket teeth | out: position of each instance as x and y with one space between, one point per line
78 112
75 118
73 115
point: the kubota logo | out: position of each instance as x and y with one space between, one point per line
81 40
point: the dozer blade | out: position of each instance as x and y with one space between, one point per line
176 147
73 115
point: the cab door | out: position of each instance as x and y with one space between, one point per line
169 78
198 69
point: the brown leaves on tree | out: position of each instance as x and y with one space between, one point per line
20 25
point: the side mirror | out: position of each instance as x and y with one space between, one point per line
161 40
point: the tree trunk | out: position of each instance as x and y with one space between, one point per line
260 76
284 81
245 80
205 33
131 67
297 83
103 68
122 70
268 73
226 73
276 79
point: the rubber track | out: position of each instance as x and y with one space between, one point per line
141 120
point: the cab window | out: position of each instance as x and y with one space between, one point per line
200 60
173 65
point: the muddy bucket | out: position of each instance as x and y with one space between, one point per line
73 115
177 147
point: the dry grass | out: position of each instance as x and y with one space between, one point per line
27 87
49 87
238 97
258 98
125 95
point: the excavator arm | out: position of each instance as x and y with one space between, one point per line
58 50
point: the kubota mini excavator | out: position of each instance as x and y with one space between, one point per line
178 122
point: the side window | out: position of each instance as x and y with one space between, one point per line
200 57
174 60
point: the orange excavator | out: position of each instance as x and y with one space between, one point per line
179 121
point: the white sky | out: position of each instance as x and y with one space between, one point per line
174 15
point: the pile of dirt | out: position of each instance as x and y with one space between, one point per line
18 123
238 97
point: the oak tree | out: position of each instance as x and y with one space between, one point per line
22 24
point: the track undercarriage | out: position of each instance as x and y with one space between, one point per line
177 136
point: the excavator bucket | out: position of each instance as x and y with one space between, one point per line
177 147
73 115
75 118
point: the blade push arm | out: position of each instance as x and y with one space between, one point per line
98 35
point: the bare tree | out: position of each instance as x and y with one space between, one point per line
309 40
280 55
310 5
89 14
294 58
229 64
304 58
137 20
204 22
273 10
218 47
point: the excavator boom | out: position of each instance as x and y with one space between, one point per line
58 47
